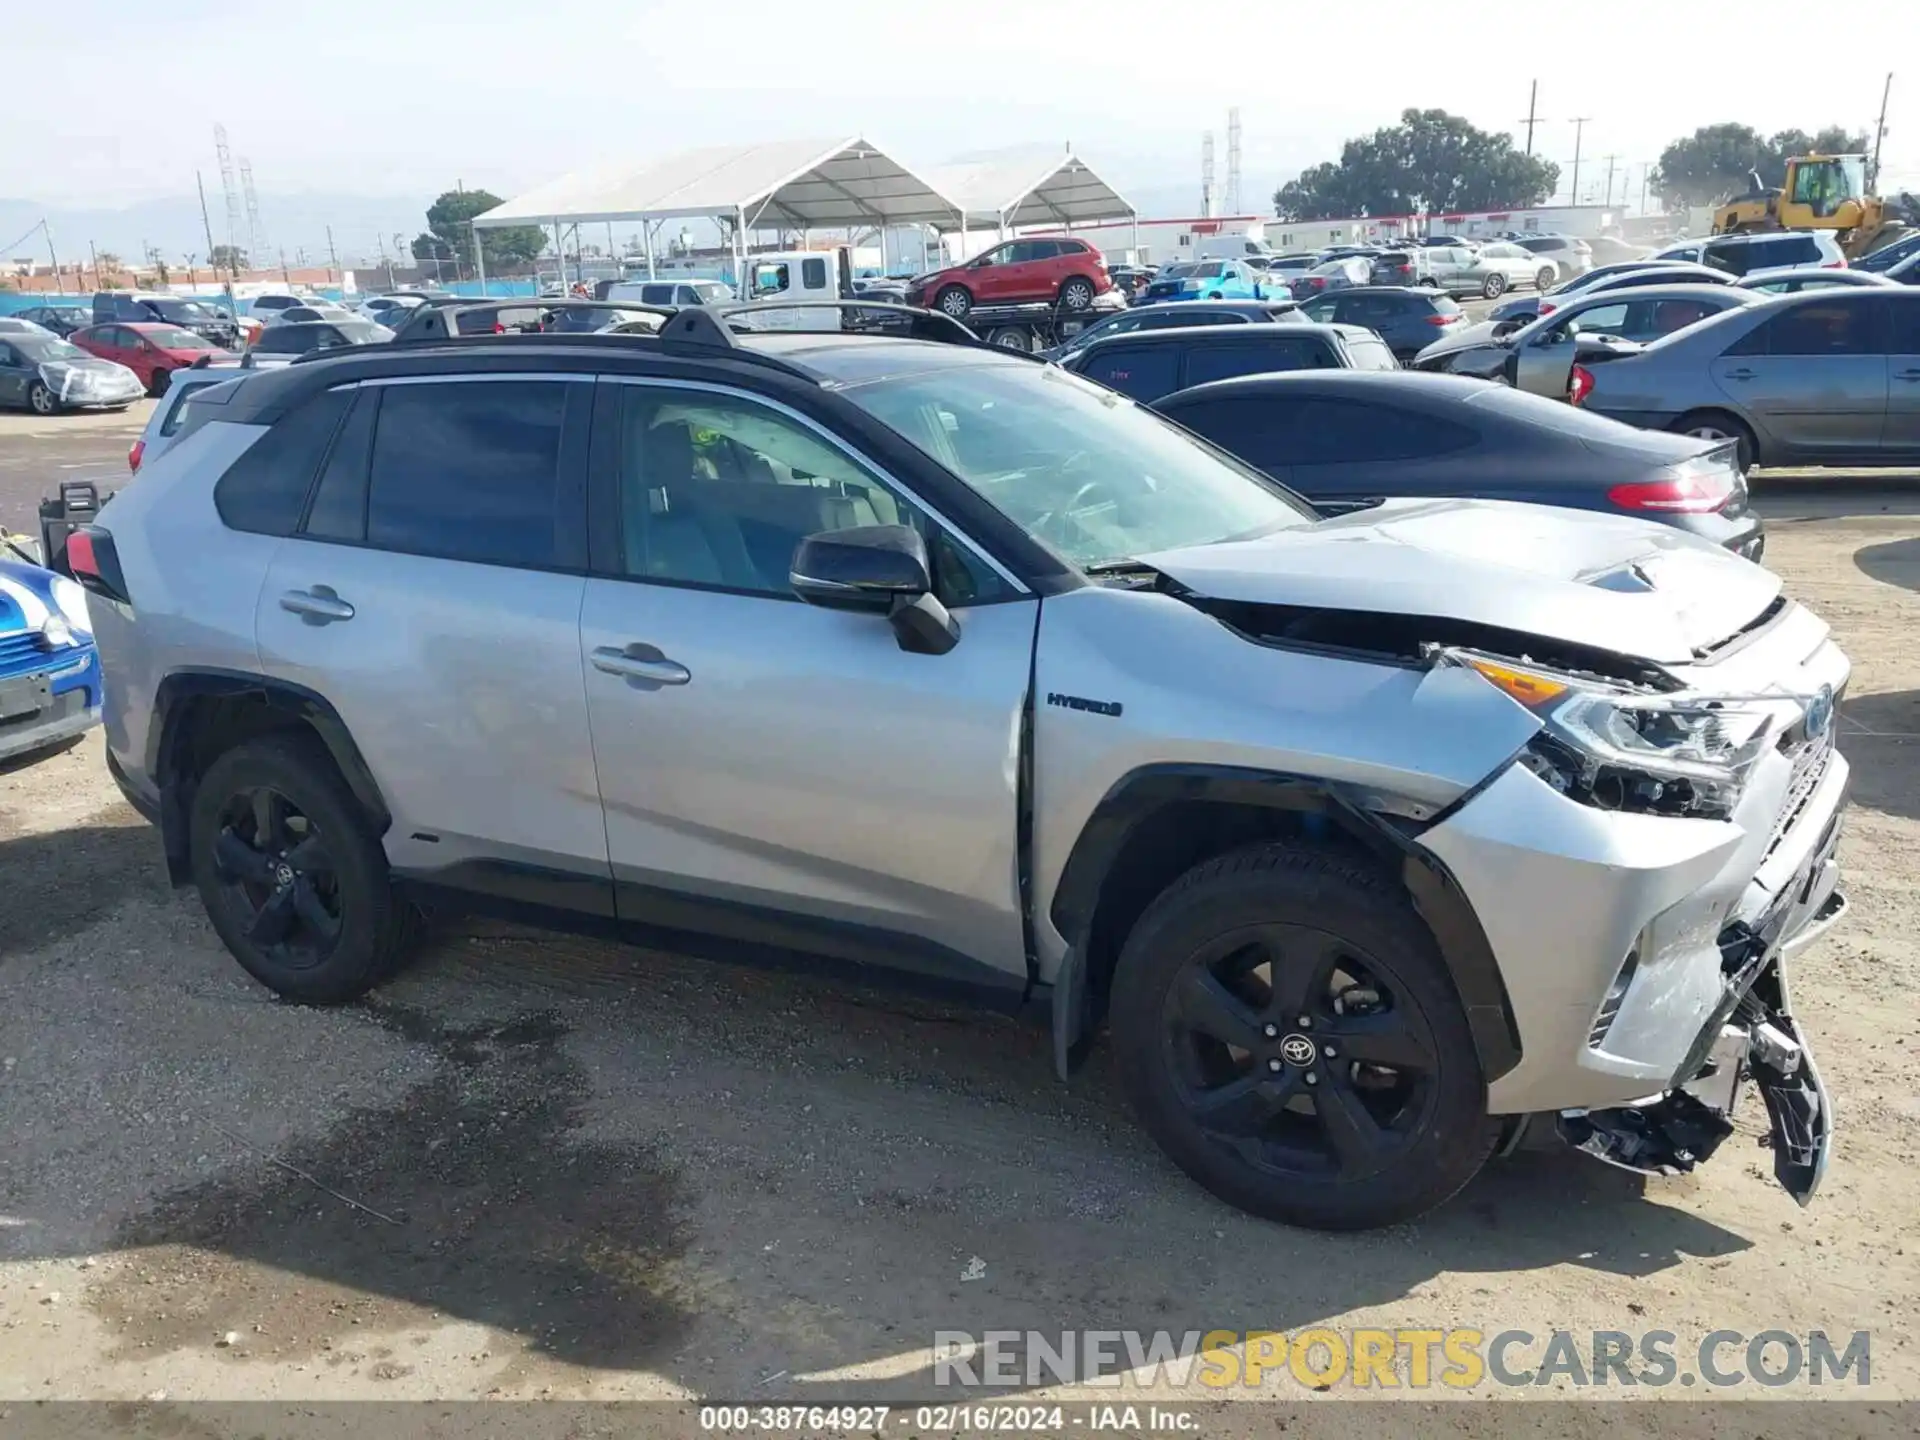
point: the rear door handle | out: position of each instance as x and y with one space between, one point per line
641 662
1906 374
317 606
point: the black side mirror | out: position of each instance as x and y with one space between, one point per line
879 570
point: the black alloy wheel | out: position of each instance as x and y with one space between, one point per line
278 876
1294 1048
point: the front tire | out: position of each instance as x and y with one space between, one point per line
1493 287
291 873
954 300
1077 293
1287 1031
40 400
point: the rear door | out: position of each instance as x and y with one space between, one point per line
1901 438
1814 375
17 375
432 593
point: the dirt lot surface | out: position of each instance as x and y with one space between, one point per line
535 1166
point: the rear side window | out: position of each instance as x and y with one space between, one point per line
1368 353
284 340
1343 432
339 508
813 274
183 393
265 490
1259 429
1841 325
469 471
1142 371
1256 357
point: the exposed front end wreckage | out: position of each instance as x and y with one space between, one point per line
1663 843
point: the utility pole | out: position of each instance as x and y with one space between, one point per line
1533 97
47 230
233 307
1579 129
333 256
98 284
1646 179
1609 200
1879 134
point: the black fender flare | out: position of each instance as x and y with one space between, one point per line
166 741
1437 896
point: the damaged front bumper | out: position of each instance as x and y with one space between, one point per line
1751 1037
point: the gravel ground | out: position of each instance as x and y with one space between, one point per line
536 1166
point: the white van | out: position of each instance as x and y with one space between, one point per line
1230 247
670 292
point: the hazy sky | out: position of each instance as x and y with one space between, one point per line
406 96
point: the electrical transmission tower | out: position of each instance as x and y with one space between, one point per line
227 187
1206 173
1233 161
256 232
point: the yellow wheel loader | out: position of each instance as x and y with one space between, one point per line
1822 192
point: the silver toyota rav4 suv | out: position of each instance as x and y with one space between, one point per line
1367 839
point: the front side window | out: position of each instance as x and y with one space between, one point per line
1085 471
1146 372
469 471
718 490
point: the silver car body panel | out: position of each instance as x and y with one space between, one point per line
1569 575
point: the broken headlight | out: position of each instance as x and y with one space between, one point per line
1675 753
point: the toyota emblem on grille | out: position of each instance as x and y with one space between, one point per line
1820 713
1297 1050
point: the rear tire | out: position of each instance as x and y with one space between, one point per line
954 300
1273 1120
1076 292
1493 287
291 873
1719 425
1544 281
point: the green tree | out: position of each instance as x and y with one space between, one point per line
1713 163
1430 161
228 257
448 221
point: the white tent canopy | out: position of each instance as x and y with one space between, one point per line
1031 187
793 184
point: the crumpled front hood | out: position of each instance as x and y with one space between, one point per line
1628 586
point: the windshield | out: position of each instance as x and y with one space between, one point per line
1082 469
1183 272
168 337
183 312
41 348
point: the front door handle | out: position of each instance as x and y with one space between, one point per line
641 662
316 606
1906 374
1742 374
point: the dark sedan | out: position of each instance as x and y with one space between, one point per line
1177 314
1343 438
62 320
1408 320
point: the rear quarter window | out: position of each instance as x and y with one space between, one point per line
183 404
1368 353
264 491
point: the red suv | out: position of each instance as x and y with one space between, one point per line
1034 267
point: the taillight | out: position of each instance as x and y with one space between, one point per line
133 455
1579 385
1833 265
498 328
1546 308
1692 493
94 562
1441 319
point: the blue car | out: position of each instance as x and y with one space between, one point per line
1209 280
49 669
